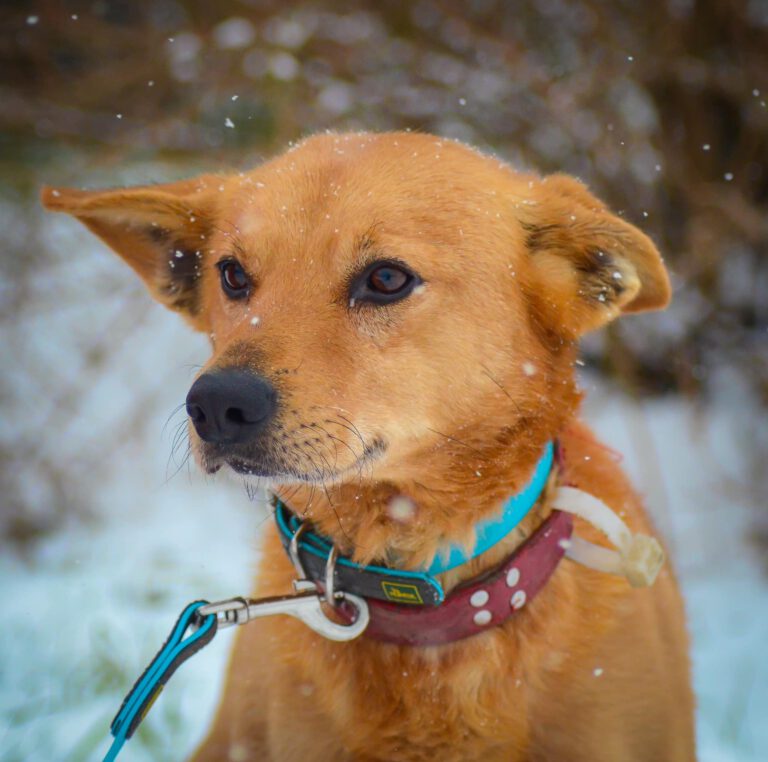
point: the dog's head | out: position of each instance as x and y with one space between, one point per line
371 298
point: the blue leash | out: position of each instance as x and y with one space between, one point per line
175 651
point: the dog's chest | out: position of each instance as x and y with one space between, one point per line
398 706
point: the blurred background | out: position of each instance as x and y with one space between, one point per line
105 530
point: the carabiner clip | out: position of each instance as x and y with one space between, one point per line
306 606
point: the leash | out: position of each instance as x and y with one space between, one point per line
175 651
198 624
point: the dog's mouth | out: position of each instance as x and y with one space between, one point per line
290 467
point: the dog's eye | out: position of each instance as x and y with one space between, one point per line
388 280
383 283
234 280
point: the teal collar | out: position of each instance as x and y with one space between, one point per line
492 531
313 551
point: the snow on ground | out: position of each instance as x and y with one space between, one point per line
695 467
87 609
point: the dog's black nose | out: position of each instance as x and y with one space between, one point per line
230 406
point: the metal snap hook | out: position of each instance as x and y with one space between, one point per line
306 606
293 551
330 582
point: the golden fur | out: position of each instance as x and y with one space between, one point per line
445 397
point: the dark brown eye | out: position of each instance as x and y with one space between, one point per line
383 283
234 280
388 279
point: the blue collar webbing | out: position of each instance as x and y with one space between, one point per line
494 530
488 533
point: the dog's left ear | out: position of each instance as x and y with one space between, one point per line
161 231
590 264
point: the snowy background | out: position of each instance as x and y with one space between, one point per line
106 532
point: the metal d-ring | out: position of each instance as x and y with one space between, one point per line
293 551
330 571
302 583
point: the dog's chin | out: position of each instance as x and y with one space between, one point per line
266 470
250 468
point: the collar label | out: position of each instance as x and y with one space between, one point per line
397 592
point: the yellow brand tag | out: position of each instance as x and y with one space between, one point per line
400 593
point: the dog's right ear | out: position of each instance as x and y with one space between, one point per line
161 231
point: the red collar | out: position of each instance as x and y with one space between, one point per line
479 604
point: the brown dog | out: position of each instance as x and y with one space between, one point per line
395 317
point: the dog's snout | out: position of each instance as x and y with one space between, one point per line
230 406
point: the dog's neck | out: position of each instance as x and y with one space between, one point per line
438 498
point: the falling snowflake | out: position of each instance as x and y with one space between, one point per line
401 508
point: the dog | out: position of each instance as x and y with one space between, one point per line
394 321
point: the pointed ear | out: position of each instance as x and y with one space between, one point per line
160 231
591 264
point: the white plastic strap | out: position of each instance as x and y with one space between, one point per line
637 557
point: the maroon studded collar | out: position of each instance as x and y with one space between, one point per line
480 603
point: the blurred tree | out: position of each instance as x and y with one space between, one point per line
660 107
